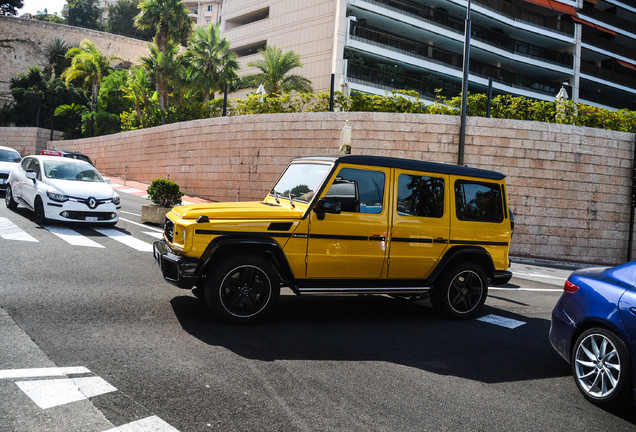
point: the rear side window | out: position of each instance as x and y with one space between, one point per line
478 201
420 196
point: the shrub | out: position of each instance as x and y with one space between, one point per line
164 193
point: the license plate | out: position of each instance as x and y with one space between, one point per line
91 219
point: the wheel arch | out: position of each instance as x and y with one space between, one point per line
225 246
478 255
595 322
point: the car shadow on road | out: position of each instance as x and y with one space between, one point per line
379 328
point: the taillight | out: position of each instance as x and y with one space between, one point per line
569 287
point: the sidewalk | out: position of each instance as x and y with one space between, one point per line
139 189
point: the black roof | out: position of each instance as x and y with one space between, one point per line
408 164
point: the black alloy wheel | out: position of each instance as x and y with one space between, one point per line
242 289
461 291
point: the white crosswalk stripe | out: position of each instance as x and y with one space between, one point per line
72 237
126 239
10 231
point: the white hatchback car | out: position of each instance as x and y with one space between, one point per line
62 189
9 159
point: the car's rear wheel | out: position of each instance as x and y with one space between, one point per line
8 199
38 210
602 367
461 291
242 289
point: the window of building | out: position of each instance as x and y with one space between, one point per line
247 18
420 196
250 49
358 191
477 201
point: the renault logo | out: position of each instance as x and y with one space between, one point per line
92 202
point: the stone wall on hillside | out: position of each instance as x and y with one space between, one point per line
22 43
569 187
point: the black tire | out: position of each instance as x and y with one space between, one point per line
602 368
38 210
242 289
8 199
461 291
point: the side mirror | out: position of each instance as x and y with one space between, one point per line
325 205
32 175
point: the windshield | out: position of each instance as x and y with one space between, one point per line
62 170
9 156
302 180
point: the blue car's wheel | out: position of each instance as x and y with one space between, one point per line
602 367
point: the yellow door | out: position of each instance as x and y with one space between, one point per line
421 223
351 244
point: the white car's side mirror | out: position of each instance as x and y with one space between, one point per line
32 175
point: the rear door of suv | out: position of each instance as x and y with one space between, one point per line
421 223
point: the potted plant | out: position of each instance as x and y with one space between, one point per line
164 195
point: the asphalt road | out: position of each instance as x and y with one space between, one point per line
97 316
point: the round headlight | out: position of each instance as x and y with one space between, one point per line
116 199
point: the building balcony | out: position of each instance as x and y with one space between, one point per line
609 76
606 45
607 18
441 18
517 13
427 52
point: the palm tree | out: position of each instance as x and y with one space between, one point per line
275 66
213 64
55 53
88 66
167 18
138 90
163 67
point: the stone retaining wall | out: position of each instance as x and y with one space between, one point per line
569 187
27 140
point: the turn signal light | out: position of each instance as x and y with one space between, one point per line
569 287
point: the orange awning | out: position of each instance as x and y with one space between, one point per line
598 27
555 6
625 64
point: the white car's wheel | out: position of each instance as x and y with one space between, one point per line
38 209
8 199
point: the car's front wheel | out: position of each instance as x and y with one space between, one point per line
602 367
8 199
242 289
38 209
461 291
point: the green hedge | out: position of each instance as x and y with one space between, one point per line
502 106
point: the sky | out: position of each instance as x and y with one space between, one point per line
32 6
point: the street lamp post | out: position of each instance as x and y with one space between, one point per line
462 127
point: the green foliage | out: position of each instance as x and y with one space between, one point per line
164 193
10 7
100 123
71 115
85 13
398 101
168 20
121 20
47 17
111 97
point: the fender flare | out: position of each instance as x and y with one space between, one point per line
476 254
225 245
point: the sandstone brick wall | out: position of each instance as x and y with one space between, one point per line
27 140
569 187
23 42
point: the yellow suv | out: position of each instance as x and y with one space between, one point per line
346 225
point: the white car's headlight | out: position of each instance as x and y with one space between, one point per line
56 195
116 199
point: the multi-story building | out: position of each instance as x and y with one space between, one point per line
204 12
527 47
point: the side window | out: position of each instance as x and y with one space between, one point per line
358 191
26 163
420 196
477 201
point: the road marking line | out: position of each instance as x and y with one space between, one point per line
501 321
10 231
140 224
51 393
125 239
541 275
72 237
158 235
148 424
525 289
42 372
126 189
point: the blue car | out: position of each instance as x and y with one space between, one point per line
593 328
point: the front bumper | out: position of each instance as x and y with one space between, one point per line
176 269
501 277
